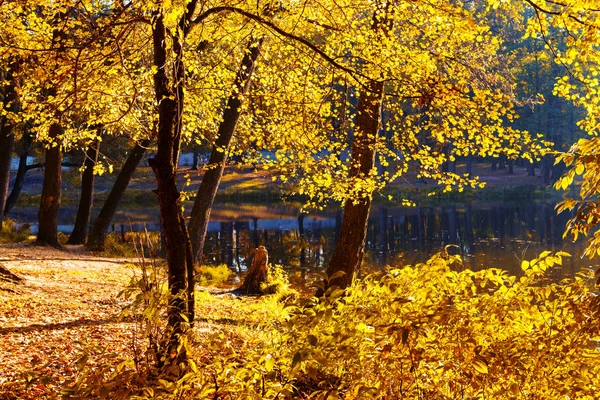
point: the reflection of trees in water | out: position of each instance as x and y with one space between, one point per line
495 236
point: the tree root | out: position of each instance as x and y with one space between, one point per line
7 275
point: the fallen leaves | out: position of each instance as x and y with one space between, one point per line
68 299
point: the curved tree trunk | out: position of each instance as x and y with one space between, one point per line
20 178
97 236
349 250
51 192
207 191
86 201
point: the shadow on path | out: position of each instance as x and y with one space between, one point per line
56 326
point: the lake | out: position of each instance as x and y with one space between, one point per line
486 234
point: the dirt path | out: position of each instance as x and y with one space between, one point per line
68 300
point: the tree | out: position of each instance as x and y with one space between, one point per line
200 214
99 231
86 200
10 105
580 59
21 171
447 97
51 191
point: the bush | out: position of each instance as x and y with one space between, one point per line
9 233
278 284
433 333
114 246
213 275
419 332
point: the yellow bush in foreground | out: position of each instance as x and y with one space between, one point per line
422 332
428 332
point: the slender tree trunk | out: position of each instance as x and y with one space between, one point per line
20 178
531 169
545 168
86 201
170 100
207 191
7 136
349 250
510 169
7 139
195 161
502 161
51 191
469 165
99 231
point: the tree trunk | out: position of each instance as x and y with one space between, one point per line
502 161
7 139
20 178
7 136
195 161
545 169
86 201
349 250
510 169
469 165
207 191
531 169
170 100
51 191
100 228
52 187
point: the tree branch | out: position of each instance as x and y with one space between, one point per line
280 31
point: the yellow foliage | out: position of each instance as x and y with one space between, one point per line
430 331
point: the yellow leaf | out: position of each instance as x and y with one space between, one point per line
480 367
269 362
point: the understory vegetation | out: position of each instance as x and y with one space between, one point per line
10 233
419 332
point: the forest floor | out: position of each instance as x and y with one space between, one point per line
68 300
62 321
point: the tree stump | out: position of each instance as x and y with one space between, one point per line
257 273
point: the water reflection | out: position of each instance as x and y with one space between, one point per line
486 235
498 235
